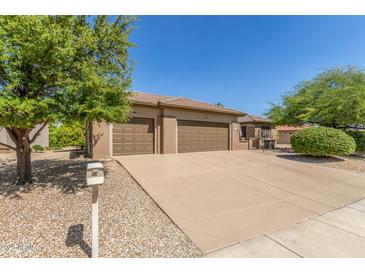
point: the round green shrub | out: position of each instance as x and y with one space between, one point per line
359 137
322 142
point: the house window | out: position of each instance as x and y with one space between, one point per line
243 132
265 132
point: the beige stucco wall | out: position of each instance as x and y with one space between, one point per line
237 144
101 140
168 135
274 134
199 115
158 135
42 139
144 111
3 136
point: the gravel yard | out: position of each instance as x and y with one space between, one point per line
354 162
51 218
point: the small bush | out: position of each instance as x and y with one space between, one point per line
38 148
359 137
322 142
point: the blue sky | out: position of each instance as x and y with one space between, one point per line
244 62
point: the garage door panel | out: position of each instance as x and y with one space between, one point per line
126 149
134 137
141 129
123 149
202 136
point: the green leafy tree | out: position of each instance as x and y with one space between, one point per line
64 68
333 98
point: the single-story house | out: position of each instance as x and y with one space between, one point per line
284 133
42 139
258 130
165 124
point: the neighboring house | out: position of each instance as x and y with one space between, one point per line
166 124
42 139
284 132
258 130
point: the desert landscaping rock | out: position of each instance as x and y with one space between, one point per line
51 217
354 162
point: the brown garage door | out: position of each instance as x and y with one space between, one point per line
284 137
134 137
201 136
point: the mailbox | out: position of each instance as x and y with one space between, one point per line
94 174
94 178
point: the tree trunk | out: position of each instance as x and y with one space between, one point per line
23 154
90 140
24 166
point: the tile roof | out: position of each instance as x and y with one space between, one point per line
148 98
253 119
178 102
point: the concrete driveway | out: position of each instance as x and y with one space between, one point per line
336 234
222 198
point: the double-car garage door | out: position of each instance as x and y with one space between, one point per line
137 136
195 136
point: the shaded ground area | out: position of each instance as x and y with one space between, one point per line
64 171
355 162
51 218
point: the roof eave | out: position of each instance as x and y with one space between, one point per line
166 104
136 102
224 111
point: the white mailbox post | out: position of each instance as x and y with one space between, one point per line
94 178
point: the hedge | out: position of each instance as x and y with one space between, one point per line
322 142
359 137
66 135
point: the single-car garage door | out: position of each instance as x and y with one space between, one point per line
284 137
201 136
134 137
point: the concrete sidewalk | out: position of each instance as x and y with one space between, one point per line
339 233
